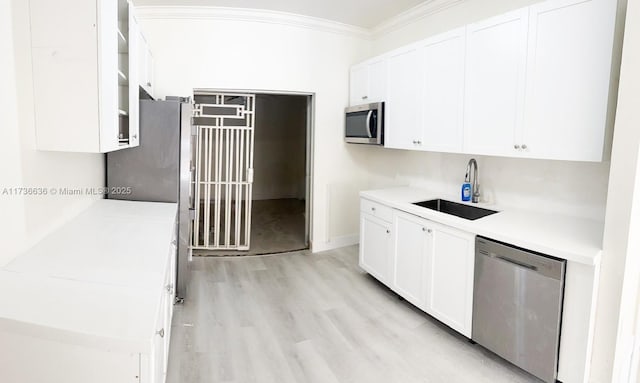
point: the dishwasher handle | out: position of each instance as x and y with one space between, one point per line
517 263
539 263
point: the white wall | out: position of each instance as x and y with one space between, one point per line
279 141
617 307
12 223
201 52
26 220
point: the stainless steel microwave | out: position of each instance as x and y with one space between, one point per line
364 124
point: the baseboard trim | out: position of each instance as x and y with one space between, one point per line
335 243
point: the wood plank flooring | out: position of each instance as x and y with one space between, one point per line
304 317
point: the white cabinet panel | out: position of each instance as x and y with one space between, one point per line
451 278
403 128
145 65
495 78
368 82
443 92
375 209
359 85
377 80
134 78
81 75
412 254
375 247
569 64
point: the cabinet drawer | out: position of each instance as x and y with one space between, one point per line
383 212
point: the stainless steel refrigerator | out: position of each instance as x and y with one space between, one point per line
159 170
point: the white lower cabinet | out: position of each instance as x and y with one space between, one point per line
450 277
375 246
412 257
428 264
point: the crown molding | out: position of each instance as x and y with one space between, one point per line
419 12
248 15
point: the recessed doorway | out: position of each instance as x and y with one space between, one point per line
266 205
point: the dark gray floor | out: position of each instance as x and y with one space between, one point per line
303 317
277 226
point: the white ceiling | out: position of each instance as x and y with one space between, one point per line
361 13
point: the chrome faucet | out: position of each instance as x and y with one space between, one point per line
475 187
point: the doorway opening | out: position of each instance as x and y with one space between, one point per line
253 172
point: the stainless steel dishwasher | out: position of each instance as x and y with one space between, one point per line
517 306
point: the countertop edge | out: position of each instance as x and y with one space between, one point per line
473 226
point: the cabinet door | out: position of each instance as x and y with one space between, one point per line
159 357
377 81
451 278
143 74
134 80
443 91
494 89
403 128
411 256
358 85
151 71
110 75
375 247
568 78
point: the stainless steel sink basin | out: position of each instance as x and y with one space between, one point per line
460 210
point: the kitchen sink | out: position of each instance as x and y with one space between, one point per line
457 209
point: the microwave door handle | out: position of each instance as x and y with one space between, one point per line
369 123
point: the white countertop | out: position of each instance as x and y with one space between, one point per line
96 280
574 239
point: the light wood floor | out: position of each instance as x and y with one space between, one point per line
314 318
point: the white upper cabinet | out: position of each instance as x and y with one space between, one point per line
443 91
146 64
494 83
568 71
368 82
377 80
536 83
82 69
359 84
404 92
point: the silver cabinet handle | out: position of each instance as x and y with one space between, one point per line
516 147
161 333
388 231
365 97
524 147
429 231
373 209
